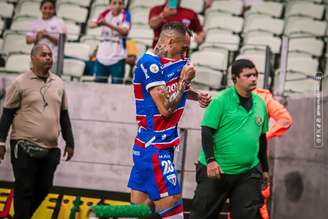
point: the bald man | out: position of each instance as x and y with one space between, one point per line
36 107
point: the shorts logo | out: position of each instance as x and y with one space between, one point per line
259 120
172 179
154 68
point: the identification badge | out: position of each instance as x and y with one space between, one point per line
259 120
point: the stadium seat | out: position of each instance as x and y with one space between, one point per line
73 68
196 5
264 23
260 41
91 41
95 11
6 9
2 26
73 30
94 31
142 33
222 39
224 21
257 57
72 12
298 63
139 15
17 62
233 7
22 23
15 42
311 46
304 9
144 3
299 83
300 26
215 59
83 3
207 77
28 8
77 50
270 8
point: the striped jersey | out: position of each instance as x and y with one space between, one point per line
154 129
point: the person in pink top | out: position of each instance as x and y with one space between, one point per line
46 29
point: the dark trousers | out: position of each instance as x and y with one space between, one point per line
33 179
243 190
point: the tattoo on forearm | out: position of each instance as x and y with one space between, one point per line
172 100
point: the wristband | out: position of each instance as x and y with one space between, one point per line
210 159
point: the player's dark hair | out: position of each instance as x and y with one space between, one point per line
175 26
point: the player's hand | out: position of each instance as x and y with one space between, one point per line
93 24
266 180
188 73
68 153
204 99
167 12
2 152
214 170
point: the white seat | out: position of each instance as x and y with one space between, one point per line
141 33
257 57
208 77
296 26
139 15
2 25
91 41
22 23
223 39
195 5
224 21
261 41
234 7
270 8
83 3
73 30
299 83
73 68
311 46
72 12
77 50
18 62
217 60
144 3
15 42
304 8
6 9
94 31
299 63
28 8
257 22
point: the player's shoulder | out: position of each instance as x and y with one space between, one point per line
149 59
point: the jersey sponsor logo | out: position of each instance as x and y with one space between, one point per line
172 88
172 179
259 120
154 68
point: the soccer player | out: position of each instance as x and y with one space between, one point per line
160 92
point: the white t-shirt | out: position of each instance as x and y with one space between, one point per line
112 46
54 26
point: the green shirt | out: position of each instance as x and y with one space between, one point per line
236 140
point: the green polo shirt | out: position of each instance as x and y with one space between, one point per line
236 140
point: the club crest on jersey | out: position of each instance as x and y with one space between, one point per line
259 120
154 68
172 179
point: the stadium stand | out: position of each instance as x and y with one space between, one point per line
231 33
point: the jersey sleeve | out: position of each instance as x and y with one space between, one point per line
213 113
153 74
195 24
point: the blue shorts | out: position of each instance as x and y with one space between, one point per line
154 172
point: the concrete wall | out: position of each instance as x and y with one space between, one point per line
104 128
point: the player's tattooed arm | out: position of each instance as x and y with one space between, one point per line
167 102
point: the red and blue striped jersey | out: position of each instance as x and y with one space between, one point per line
155 129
